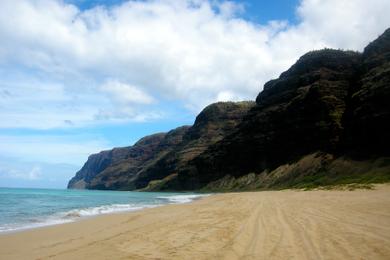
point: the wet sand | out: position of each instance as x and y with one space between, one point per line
250 225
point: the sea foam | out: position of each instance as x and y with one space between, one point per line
39 208
182 198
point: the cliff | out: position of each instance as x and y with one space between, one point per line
325 120
331 106
115 167
157 156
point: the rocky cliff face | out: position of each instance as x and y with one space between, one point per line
331 101
119 161
326 118
123 174
214 123
157 156
295 115
367 120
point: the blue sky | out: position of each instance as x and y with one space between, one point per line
79 76
258 11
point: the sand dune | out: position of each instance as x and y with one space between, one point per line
253 225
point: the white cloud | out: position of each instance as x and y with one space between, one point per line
125 93
15 173
126 103
225 96
43 105
141 53
348 24
34 173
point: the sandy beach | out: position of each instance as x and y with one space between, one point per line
251 225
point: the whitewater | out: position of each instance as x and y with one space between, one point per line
22 208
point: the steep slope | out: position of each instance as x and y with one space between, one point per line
295 115
158 156
367 120
214 123
331 101
114 169
99 162
325 120
122 175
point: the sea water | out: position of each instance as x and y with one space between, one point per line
30 208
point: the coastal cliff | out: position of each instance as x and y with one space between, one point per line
160 155
324 121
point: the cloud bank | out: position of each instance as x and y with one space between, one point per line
71 67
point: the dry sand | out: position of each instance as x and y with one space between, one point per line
253 225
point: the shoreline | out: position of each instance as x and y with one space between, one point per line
67 217
251 225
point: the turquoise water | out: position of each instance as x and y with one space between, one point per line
30 208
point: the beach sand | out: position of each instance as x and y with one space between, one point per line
251 225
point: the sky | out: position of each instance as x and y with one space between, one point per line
81 76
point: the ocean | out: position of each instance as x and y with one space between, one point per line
30 208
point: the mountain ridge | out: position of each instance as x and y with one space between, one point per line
154 157
330 109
